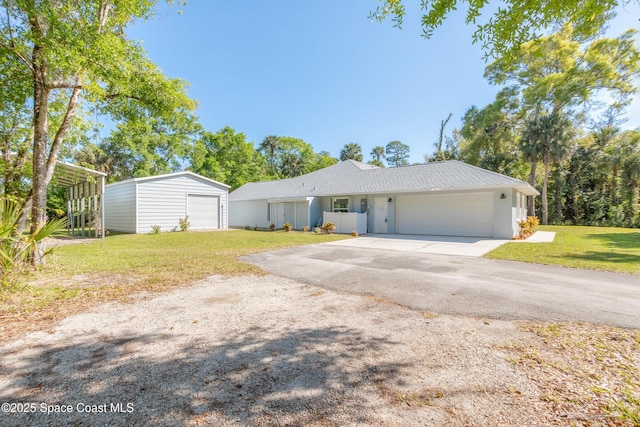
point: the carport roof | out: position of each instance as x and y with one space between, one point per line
351 177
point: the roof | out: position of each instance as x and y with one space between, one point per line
351 177
68 175
170 175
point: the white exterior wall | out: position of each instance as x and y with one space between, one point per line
120 207
252 213
164 201
134 206
503 219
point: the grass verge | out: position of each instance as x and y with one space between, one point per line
80 275
594 248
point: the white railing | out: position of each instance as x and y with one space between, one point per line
347 222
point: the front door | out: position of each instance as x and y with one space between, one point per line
380 215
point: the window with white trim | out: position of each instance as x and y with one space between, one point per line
341 205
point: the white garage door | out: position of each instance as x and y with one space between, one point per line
468 214
203 211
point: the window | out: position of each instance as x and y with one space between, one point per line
341 205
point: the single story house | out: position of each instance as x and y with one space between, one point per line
135 205
448 198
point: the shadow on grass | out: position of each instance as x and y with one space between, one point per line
619 240
304 376
607 257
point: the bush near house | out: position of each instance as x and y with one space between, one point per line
287 226
528 226
328 227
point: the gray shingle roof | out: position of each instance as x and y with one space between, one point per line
351 177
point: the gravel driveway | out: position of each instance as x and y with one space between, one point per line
266 351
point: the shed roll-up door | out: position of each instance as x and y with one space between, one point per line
459 214
203 211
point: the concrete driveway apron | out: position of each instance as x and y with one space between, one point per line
410 274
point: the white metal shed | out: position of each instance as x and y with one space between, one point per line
135 205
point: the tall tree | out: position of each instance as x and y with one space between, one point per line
546 138
228 157
513 23
295 157
323 159
351 151
80 47
397 153
270 146
489 136
557 74
378 153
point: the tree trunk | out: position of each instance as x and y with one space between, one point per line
531 207
545 182
40 130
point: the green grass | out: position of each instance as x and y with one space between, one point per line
176 257
594 248
76 276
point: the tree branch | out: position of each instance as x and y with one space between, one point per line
62 131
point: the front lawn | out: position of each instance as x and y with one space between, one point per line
77 276
595 248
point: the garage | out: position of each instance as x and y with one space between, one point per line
453 214
141 205
203 211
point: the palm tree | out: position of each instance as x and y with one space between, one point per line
377 153
351 151
292 165
269 146
545 138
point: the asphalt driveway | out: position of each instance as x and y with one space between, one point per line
464 285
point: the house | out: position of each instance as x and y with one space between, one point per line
440 198
133 206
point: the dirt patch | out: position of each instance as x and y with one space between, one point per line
271 351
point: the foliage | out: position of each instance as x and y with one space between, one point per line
511 24
155 229
595 248
184 223
272 226
63 50
397 153
16 248
143 147
228 157
559 72
305 228
351 151
528 226
546 138
328 227
287 226
354 234
489 136
446 148
377 154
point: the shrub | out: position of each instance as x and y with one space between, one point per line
184 223
528 226
354 234
17 249
328 227
272 227
155 229
305 228
246 227
287 226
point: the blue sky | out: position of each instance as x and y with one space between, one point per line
323 72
